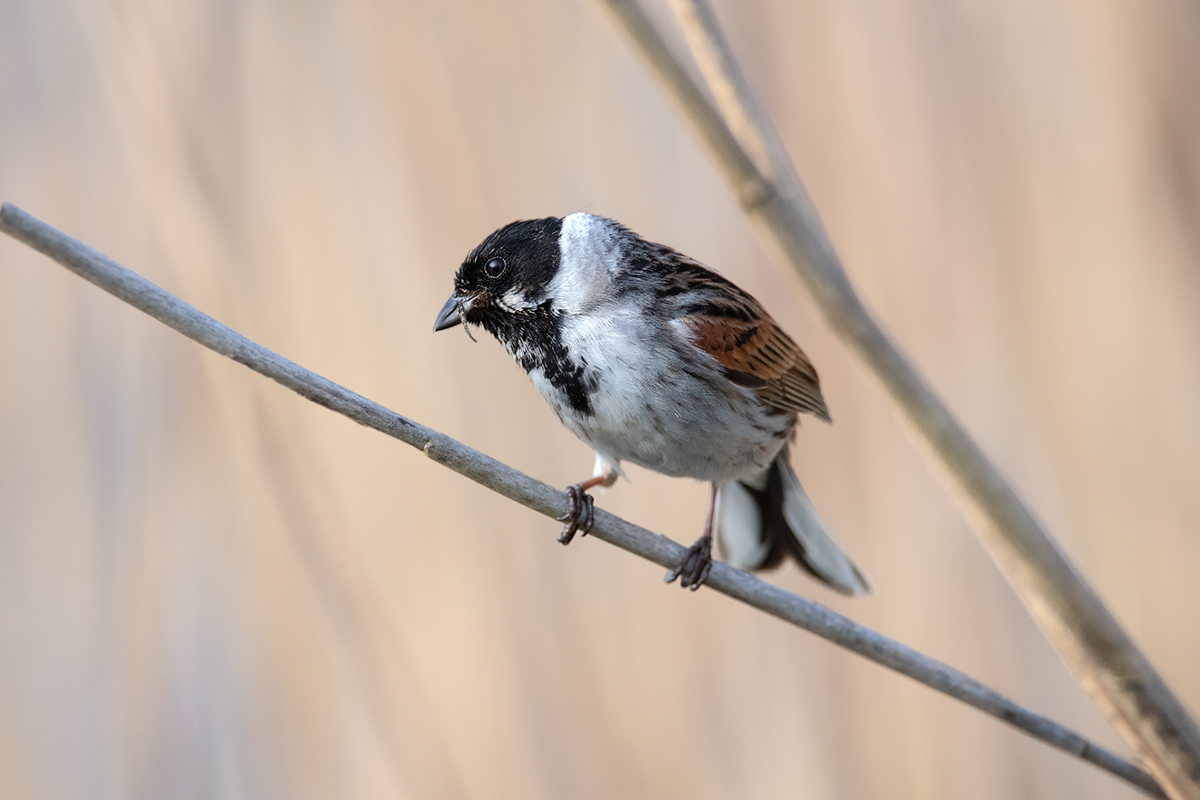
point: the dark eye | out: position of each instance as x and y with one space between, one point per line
494 268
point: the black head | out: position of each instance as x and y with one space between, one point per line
521 257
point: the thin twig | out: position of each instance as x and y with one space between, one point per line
175 313
1122 682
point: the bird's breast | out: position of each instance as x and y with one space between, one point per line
637 392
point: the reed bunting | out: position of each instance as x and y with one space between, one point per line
650 357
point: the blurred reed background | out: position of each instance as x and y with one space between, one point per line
210 588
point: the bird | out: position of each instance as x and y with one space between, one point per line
650 357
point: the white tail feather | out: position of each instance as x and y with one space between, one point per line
738 527
747 541
821 552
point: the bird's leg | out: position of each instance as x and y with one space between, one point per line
694 568
581 515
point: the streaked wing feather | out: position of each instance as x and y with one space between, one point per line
732 327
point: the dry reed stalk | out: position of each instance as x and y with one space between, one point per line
1119 678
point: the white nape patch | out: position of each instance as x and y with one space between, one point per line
589 255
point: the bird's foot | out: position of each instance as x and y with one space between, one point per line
694 568
580 516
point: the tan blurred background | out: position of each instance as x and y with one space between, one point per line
210 588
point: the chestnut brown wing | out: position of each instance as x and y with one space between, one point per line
755 352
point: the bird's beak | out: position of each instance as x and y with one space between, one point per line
448 317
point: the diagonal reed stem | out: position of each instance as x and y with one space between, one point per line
503 479
1119 678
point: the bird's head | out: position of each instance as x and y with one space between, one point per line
539 267
506 275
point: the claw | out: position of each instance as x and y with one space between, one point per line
693 570
583 506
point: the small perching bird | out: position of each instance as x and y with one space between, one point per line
650 357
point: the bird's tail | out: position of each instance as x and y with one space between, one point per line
762 519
